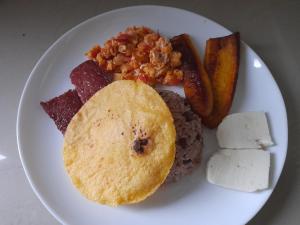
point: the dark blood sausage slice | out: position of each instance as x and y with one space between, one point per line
62 108
88 78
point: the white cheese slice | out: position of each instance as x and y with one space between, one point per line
243 170
244 130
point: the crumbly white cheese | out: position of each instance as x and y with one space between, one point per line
243 170
244 130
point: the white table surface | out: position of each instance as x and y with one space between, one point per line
28 28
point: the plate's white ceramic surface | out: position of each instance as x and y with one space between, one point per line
190 201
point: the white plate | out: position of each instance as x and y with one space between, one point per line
190 201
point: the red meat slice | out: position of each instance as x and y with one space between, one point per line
62 108
89 78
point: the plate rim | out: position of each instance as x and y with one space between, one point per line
21 102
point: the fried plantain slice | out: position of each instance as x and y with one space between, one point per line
221 62
196 83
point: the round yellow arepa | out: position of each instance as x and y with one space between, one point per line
120 146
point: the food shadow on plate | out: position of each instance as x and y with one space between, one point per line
272 171
171 193
270 128
272 155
